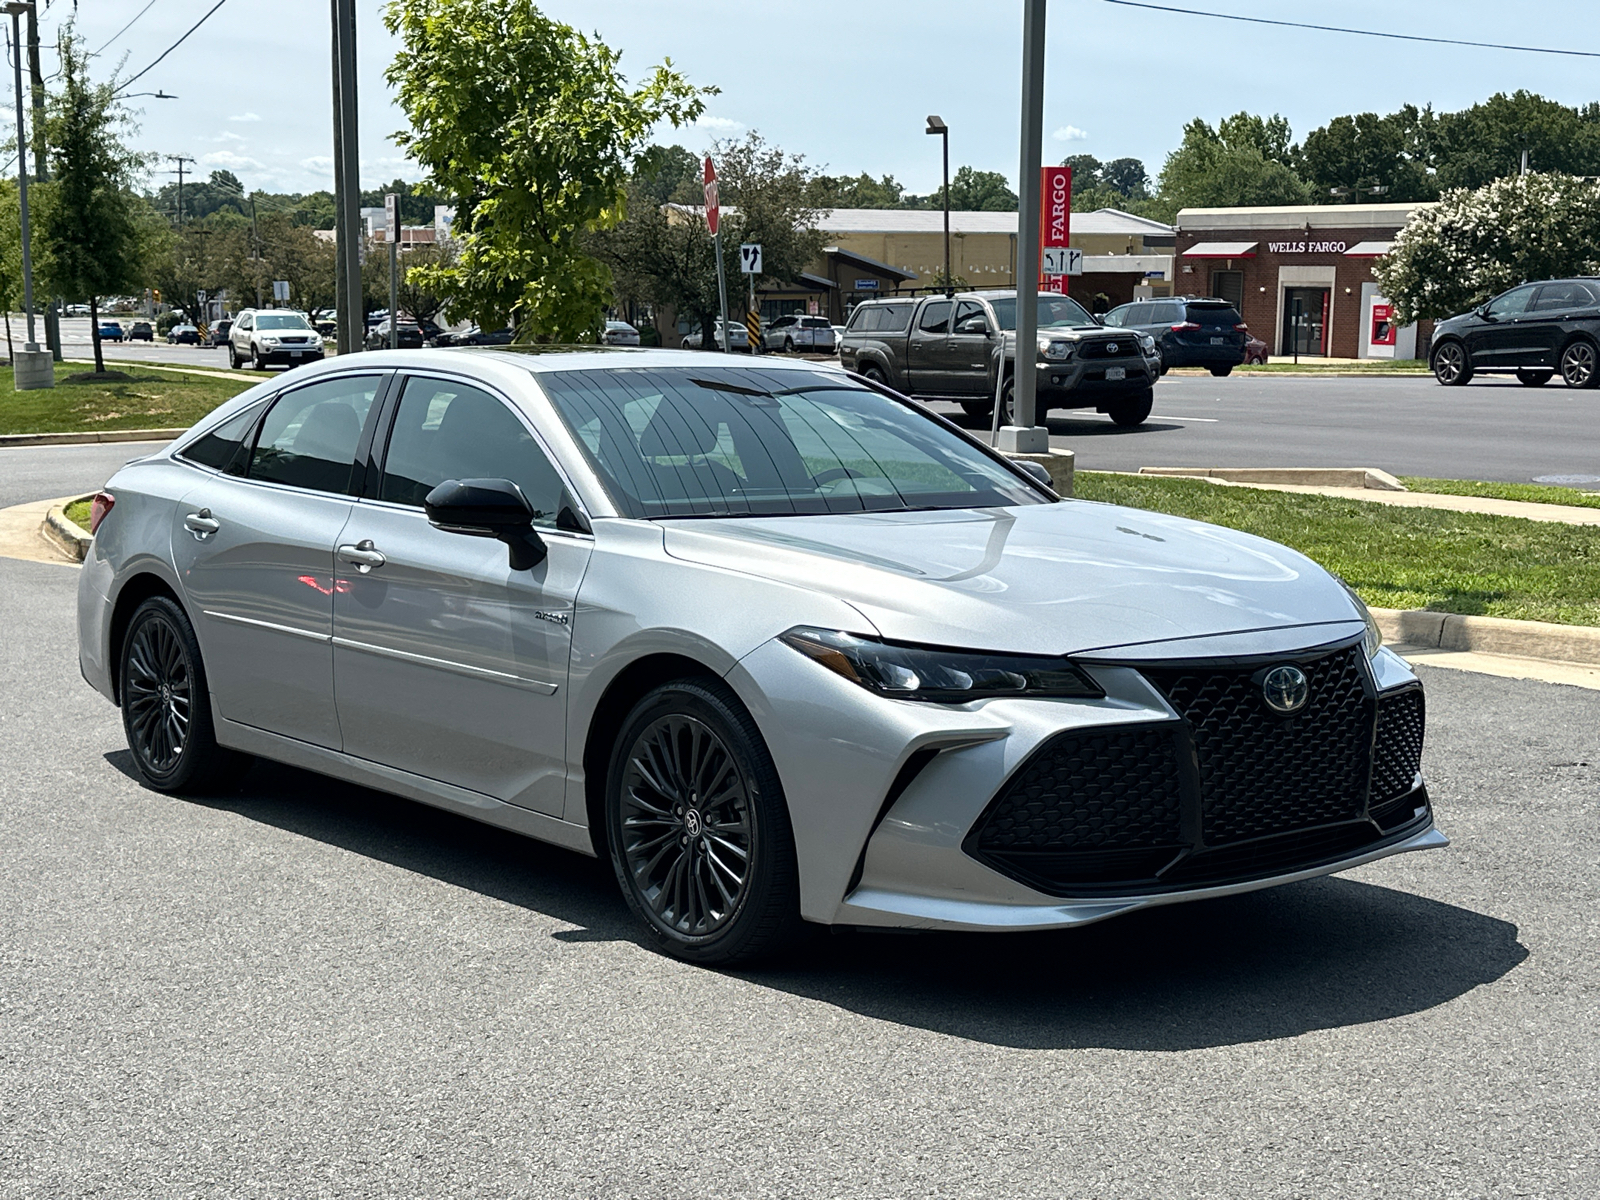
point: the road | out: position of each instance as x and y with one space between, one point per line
77 343
304 988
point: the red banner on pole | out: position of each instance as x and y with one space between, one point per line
713 209
1055 220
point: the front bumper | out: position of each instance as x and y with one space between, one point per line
291 355
1082 383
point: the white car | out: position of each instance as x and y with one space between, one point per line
740 340
799 332
620 333
263 336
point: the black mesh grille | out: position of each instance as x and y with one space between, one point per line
1271 856
1398 755
1263 774
1101 790
1126 347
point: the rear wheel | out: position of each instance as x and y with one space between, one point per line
698 828
1534 378
873 373
1450 365
1579 365
1219 372
166 707
788 345
1132 412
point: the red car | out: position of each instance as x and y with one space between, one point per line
1255 351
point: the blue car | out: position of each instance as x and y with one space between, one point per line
110 331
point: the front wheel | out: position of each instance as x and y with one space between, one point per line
260 363
1579 368
166 707
788 345
1219 372
233 358
1132 412
873 374
1450 365
698 828
1534 378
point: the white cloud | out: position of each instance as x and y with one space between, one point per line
227 135
318 162
719 124
231 161
249 116
1071 133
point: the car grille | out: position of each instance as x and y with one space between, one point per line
1126 347
1231 791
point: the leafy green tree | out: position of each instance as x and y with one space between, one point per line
10 255
979 191
1127 177
416 299
1244 161
1366 150
194 261
1486 141
203 196
860 191
667 174
96 234
1472 245
528 125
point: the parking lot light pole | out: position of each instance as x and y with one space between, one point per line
1026 437
937 127
34 368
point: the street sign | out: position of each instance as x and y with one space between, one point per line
1061 260
750 258
866 285
713 209
1055 208
391 212
280 290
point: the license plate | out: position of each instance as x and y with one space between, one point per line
295 353
1218 341
1116 372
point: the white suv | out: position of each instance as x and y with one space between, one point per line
798 332
261 336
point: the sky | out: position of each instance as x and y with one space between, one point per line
848 83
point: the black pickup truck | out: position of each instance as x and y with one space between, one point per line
952 347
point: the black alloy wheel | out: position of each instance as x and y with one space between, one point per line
1450 365
698 828
166 706
1580 365
1129 413
1534 378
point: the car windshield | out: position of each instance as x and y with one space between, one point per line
719 442
281 321
1055 312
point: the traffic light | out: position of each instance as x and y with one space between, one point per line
156 292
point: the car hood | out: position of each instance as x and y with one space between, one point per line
1051 578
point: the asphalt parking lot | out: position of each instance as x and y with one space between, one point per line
305 988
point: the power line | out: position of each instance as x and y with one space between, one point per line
125 28
128 83
1376 33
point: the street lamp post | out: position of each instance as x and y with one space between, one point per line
936 126
1026 437
34 368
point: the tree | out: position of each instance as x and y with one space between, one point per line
96 234
416 300
860 191
664 174
1475 244
1127 177
528 125
1244 161
202 197
1486 141
10 256
1358 152
978 191
192 264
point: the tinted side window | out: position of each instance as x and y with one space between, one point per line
222 448
1554 297
449 430
858 319
1512 303
1214 314
896 318
966 310
308 439
1164 314
935 317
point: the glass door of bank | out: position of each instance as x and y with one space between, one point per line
1305 321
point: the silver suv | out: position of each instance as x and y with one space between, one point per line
262 336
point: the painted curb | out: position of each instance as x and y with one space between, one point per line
1343 477
87 439
73 539
1574 644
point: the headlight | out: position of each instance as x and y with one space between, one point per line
1148 342
269 341
1374 635
936 674
1054 350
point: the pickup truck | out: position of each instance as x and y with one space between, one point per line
956 347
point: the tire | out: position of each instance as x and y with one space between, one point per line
233 358
788 345
979 410
665 836
1129 413
166 705
1220 372
1008 403
1580 365
1450 364
260 359
1534 378
874 373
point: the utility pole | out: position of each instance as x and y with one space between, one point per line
1026 437
347 176
41 165
34 368
180 160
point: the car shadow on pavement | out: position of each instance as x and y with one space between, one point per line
1080 427
1321 954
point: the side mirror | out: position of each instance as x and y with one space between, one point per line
494 508
1036 470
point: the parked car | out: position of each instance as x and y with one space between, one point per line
1534 331
955 348
1189 331
1255 350
263 336
110 331
620 333
140 331
781 647
183 335
220 332
481 337
798 332
407 333
739 339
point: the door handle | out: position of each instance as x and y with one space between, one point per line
202 524
363 556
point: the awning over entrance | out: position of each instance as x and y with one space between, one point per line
860 261
1369 250
1221 250
817 282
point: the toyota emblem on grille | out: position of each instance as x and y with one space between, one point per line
1285 689
1111 347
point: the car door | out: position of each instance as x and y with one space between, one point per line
1542 327
242 326
964 361
925 345
253 547
448 663
1493 339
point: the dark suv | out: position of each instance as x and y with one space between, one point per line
1534 330
1189 332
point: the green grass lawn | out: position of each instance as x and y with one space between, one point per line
1398 557
78 513
150 400
1534 493
1375 366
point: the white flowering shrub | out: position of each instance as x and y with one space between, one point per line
1475 244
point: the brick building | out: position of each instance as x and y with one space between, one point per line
1300 276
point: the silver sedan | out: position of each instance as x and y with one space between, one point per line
785 648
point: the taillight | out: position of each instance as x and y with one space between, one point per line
1242 327
1183 325
98 508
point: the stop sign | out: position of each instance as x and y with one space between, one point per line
713 210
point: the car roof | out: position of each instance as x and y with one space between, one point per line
540 359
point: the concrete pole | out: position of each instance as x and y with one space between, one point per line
341 233
352 318
41 165
1025 436
32 367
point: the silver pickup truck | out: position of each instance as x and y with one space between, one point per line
952 347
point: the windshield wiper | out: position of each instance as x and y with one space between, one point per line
716 385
